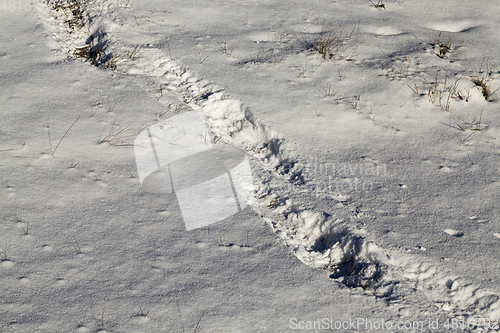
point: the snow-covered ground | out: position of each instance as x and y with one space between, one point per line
374 166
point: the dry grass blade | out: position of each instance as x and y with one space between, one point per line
27 230
478 124
102 319
64 136
77 244
258 240
132 55
328 91
466 141
196 328
116 135
221 238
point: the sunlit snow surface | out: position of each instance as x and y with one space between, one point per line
374 171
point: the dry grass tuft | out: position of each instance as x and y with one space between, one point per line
96 48
484 83
96 51
331 44
328 42
443 48
73 11
380 5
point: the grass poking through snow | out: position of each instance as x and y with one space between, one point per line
330 43
97 43
483 82
443 48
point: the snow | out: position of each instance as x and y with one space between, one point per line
374 170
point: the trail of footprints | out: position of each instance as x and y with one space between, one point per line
335 242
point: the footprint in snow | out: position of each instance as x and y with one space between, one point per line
453 232
445 169
6 264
